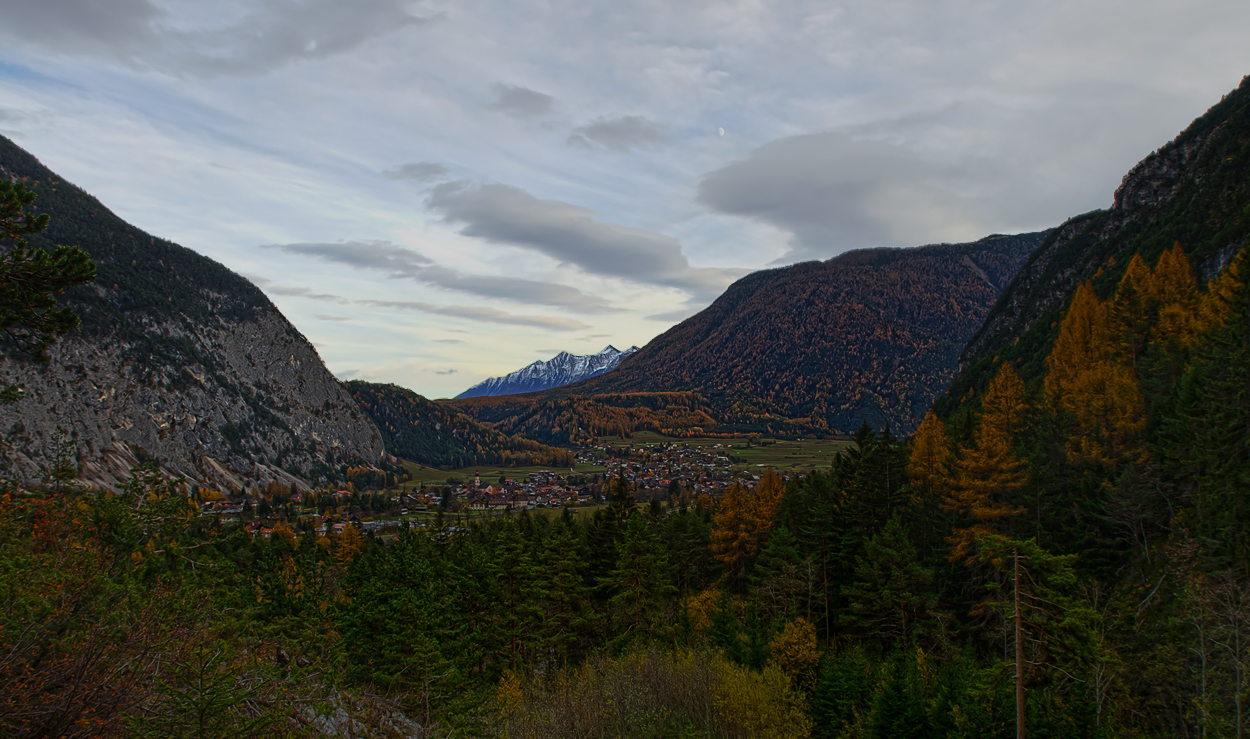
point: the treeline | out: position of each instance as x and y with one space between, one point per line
422 431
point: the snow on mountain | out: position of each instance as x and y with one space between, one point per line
561 369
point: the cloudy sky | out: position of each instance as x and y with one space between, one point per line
438 192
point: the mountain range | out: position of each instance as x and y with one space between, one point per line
816 348
182 362
562 369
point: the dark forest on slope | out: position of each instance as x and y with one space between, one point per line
422 431
817 348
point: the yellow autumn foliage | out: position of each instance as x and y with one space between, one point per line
743 519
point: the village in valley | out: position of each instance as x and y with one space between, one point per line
676 473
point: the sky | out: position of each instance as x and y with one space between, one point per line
435 193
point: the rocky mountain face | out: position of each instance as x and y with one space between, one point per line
1193 191
817 348
179 360
562 369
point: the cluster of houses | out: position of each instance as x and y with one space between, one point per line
544 489
651 469
653 472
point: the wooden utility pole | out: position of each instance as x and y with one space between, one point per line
1019 649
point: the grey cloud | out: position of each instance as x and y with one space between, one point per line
446 372
835 193
397 262
619 134
448 341
116 27
574 235
520 102
302 292
383 256
272 34
417 171
481 313
673 316
335 319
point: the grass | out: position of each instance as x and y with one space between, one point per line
783 454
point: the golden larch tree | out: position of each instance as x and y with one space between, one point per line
743 519
989 472
929 463
1176 291
1087 377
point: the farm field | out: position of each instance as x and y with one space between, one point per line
786 455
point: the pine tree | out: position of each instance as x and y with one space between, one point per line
567 620
893 598
517 610
638 583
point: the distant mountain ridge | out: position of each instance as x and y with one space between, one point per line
816 348
562 369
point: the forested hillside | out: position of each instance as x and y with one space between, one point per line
580 418
820 347
424 432
1192 191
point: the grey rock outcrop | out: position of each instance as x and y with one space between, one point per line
178 361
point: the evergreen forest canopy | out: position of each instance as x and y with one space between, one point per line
1063 545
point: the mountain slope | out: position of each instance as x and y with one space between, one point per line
1194 191
423 431
819 347
178 360
562 369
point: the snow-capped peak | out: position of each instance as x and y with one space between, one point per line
562 369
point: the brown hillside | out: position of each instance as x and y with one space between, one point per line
815 348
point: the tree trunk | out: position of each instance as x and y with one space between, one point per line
1019 649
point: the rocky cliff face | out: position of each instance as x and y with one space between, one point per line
178 360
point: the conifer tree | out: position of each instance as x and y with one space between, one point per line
929 463
567 618
1087 378
1213 423
742 522
638 583
517 610
989 473
893 596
